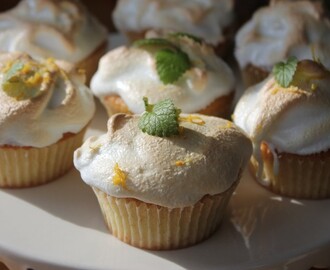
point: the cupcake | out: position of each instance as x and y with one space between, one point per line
288 119
61 29
179 67
44 112
211 20
164 192
281 30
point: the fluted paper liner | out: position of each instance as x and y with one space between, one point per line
155 227
297 176
31 166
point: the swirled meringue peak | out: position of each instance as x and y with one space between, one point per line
281 30
41 101
62 29
207 19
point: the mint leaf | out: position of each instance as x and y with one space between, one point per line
171 65
22 85
284 71
161 119
194 38
171 62
13 70
153 42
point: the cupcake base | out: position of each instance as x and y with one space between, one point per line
90 64
253 75
220 107
133 36
154 227
29 166
114 104
296 176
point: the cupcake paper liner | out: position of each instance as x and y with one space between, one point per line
30 166
305 177
156 227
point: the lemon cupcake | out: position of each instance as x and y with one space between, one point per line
61 29
211 20
281 30
45 108
164 192
179 67
288 120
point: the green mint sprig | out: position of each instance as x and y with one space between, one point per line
171 62
17 85
153 42
192 37
171 65
284 71
160 119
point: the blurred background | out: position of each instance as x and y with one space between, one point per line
103 9
100 8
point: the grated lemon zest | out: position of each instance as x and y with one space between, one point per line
119 179
193 119
179 163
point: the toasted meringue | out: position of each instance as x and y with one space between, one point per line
64 105
173 172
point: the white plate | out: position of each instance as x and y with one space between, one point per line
59 226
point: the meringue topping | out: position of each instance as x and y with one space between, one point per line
293 120
284 29
131 73
62 29
174 172
63 103
206 19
